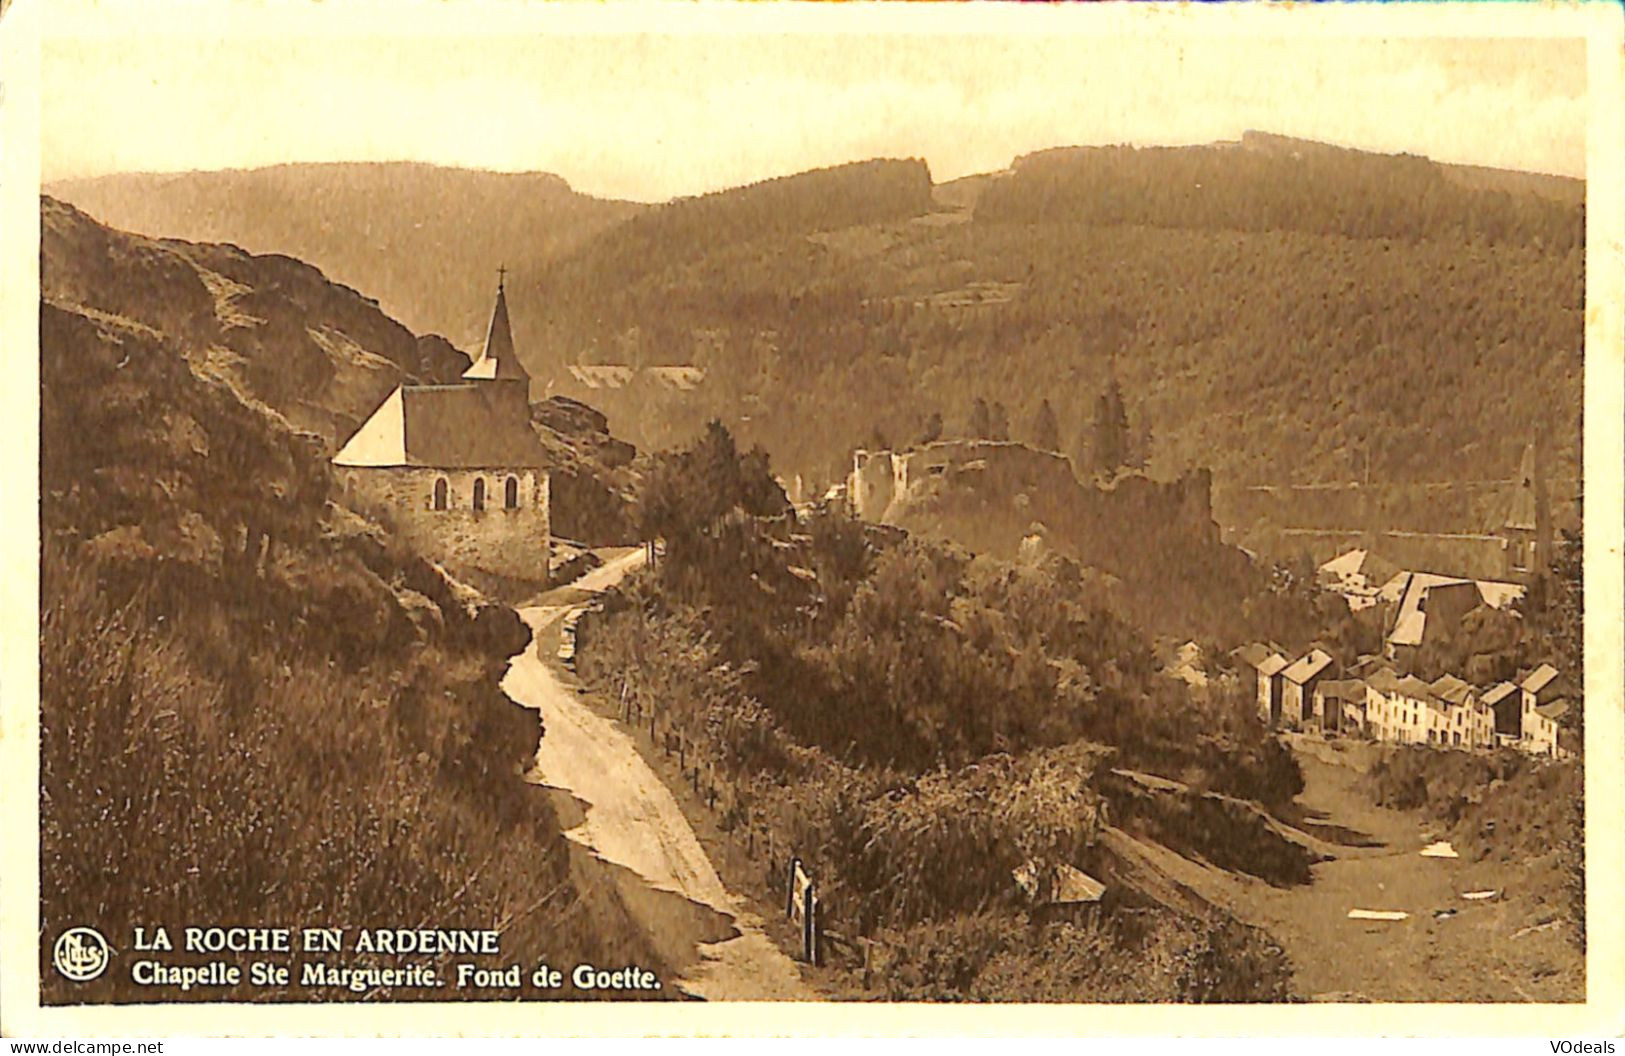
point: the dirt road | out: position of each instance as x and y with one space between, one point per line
636 846
1447 949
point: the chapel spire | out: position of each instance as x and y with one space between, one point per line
497 361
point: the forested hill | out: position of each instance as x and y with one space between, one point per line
423 239
688 246
1274 183
1320 306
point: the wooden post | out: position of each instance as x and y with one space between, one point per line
868 962
790 889
809 926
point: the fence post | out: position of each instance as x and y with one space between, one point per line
809 926
790 889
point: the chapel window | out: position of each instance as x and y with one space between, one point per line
441 489
479 493
510 494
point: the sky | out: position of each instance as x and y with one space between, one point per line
682 105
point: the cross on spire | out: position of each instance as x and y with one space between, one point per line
502 274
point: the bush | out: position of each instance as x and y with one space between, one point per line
345 798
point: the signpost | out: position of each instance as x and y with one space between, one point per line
801 906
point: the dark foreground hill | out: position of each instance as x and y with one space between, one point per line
425 240
254 706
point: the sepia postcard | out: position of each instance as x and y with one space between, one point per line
544 518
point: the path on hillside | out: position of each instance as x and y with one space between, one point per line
636 839
1483 951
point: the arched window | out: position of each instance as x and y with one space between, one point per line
510 494
479 493
440 490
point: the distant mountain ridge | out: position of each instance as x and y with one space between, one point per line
1268 306
1269 182
1275 310
424 240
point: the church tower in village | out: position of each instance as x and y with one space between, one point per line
458 469
1527 533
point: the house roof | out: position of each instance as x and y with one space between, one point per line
1357 572
1555 711
1272 664
1252 654
596 376
1410 624
1344 565
683 379
1308 666
1499 692
1383 680
1416 689
1370 662
1539 678
1343 689
1499 595
466 426
1452 689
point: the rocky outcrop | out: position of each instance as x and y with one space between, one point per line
289 344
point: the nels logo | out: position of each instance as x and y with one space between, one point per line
80 954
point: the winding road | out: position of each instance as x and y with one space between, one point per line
638 844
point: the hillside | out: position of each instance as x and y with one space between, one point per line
254 706
1300 308
1271 306
683 254
423 239
315 356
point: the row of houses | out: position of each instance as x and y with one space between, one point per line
1385 705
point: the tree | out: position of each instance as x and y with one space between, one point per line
685 493
998 423
1046 432
1110 430
981 419
933 428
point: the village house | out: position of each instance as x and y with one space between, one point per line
1543 705
1432 606
1404 710
1268 664
457 470
1340 705
1506 704
1298 682
1471 721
